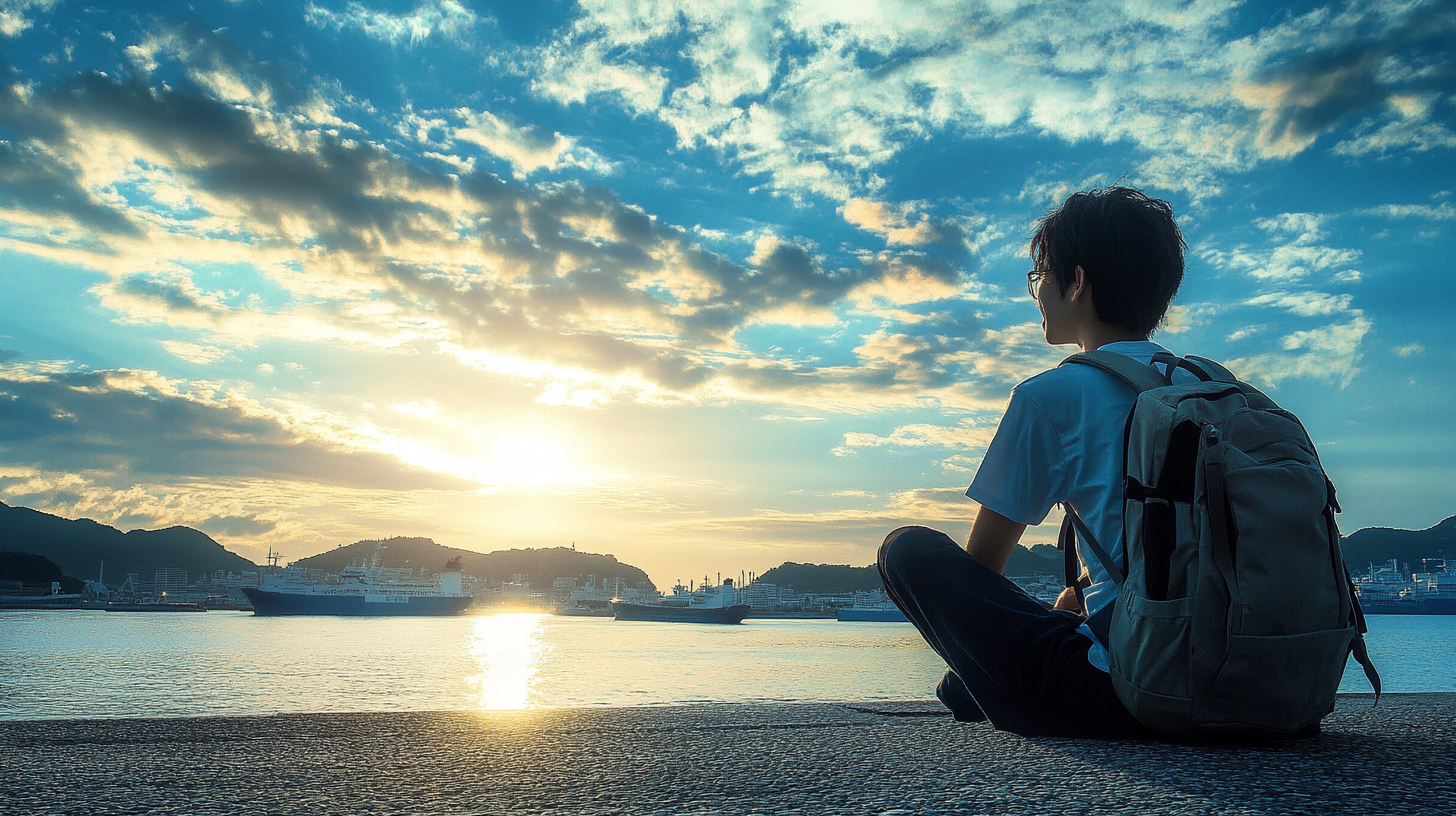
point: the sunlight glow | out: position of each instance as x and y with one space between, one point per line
508 648
528 458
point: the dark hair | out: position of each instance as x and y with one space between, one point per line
1128 246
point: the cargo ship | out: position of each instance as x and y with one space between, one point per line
886 613
1385 590
720 604
359 590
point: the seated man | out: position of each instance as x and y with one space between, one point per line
1106 265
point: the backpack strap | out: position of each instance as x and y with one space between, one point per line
1217 370
1073 527
1140 377
1085 534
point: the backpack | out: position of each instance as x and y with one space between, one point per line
1235 614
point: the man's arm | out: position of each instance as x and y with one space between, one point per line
992 538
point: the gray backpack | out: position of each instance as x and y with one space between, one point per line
1235 614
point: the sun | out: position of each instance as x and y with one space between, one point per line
527 458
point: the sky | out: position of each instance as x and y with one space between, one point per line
707 286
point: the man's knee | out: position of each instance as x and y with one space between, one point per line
905 548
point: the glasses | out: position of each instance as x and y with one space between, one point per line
1033 281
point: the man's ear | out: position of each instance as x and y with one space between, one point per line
1079 285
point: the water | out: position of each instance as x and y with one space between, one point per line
98 664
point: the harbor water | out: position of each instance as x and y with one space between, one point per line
56 664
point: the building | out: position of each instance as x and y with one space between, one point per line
170 580
761 597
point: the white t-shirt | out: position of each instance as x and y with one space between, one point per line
1061 441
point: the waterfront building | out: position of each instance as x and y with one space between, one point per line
169 580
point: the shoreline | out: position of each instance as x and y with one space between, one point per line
926 707
812 758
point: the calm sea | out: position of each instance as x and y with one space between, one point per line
99 664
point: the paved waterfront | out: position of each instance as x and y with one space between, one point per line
715 759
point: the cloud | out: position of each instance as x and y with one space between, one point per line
818 99
196 353
968 434
445 17
1185 317
1329 353
526 148
1305 304
13 19
941 508
557 283
1246 332
1405 127
136 425
1324 66
1409 350
1442 212
1300 253
237 526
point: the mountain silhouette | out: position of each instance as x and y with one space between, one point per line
541 567
78 546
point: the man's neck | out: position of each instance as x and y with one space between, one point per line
1098 334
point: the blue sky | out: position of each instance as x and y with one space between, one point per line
707 286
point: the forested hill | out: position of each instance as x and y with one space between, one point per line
837 578
78 546
823 578
542 566
1376 545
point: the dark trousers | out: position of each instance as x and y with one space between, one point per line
1013 660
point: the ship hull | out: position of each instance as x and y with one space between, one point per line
679 614
267 603
1424 606
873 616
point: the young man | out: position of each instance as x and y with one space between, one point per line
1106 265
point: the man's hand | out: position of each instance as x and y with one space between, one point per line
1068 601
993 537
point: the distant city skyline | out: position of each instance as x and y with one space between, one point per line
709 287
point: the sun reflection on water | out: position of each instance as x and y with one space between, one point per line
508 648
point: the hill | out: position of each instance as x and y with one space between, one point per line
28 568
828 579
824 579
1376 545
78 546
543 566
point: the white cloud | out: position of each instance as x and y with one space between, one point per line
265 368
1442 212
199 353
1246 332
819 97
968 434
1185 317
1409 350
527 149
1329 353
1300 254
13 19
445 17
1406 125
1305 304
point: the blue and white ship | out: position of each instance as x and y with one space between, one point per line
720 604
361 590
